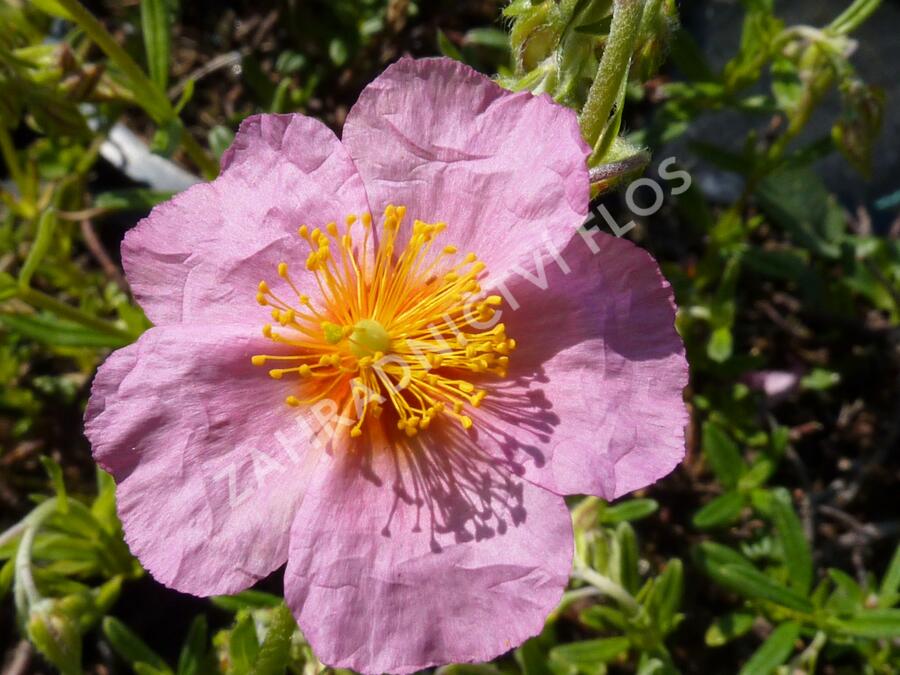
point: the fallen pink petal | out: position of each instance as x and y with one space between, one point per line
383 360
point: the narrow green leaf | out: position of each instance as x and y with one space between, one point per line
56 333
132 199
246 600
275 649
632 509
447 48
629 575
193 653
54 471
723 455
726 628
797 555
723 510
220 138
875 624
42 241
243 645
754 585
532 659
591 652
890 584
774 651
468 669
157 40
129 646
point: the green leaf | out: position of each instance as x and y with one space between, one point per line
468 669
630 510
220 138
665 597
754 585
51 7
847 597
796 199
167 138
129 646
54 471
723 510
447 48
591 652
193 652
243 645
875 624
275 649
56 333
723 455
491 38
157 39
797 556
711 555
820 379
531 658
890 584
726 628
629 575
246 600
774 651
130 199
45 229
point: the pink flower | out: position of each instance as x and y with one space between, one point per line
401 438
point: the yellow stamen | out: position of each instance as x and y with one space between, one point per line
393 327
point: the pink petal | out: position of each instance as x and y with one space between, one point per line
595 404
208 458
507 171
410 557
201 255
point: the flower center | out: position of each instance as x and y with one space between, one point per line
403 329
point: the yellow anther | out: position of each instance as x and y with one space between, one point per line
333 332
395 322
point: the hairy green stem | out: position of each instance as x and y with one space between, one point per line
147 94
26 591
608 587
613 70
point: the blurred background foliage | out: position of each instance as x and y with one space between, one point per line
772 549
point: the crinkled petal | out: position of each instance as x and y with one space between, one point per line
506 171
419 555
593 404
208 459
201 255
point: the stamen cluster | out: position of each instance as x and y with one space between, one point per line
407 328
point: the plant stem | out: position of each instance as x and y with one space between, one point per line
26 591
613 69
608 587
147 94
8 151
44 301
